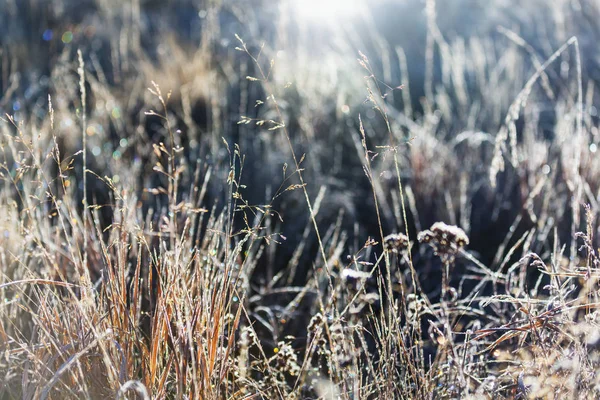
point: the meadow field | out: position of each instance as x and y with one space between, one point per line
299 199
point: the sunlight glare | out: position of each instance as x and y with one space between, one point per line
326 11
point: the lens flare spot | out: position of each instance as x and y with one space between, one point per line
116 113
47 35
67 37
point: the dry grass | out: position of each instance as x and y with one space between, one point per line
234 220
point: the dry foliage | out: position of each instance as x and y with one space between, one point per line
234 220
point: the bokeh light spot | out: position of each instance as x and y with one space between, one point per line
546 169
67 37
47 35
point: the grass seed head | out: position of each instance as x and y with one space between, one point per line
396 242
446 240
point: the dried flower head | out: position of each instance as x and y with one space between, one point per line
287 359
396 242
446 240
315 323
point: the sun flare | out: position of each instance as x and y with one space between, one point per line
326 11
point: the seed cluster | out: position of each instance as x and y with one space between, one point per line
396 242
287 360
446 240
